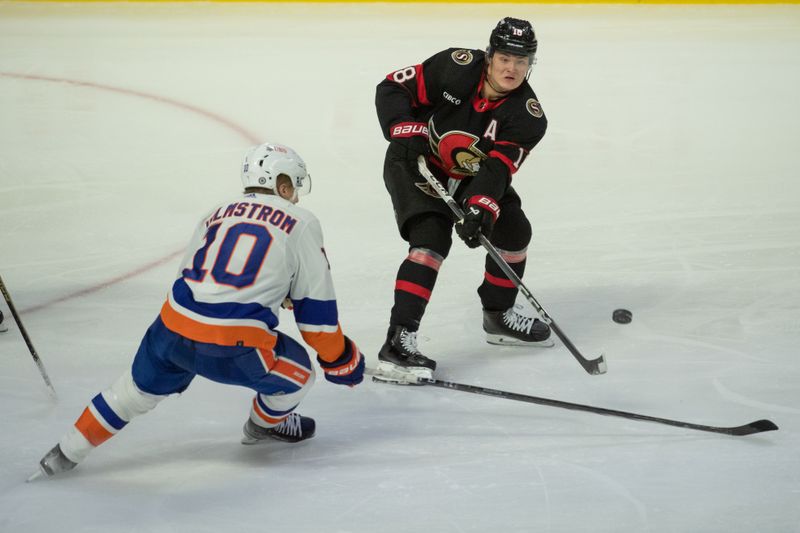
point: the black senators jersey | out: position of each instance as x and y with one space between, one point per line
469 135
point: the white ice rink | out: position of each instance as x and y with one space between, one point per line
667 184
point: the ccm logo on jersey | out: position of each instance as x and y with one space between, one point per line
450 98
409 129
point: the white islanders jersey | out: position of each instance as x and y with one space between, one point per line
245 258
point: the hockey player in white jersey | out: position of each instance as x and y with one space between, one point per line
219 321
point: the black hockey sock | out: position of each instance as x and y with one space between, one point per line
412 291
497 292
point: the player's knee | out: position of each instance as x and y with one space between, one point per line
513 231
431 232
275 403
127 400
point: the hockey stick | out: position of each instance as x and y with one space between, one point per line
758 426
592 366
25 336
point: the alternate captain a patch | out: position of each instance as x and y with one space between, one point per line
462 57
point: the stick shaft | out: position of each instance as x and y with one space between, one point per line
758 426
593 366
28 342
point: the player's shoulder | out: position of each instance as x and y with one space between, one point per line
302 213
462 57
307 223
262 209
524 105
214 214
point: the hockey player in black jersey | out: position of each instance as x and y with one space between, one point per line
475 118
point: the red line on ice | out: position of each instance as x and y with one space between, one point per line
244 133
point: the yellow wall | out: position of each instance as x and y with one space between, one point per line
699 2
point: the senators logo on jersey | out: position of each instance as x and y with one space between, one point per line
462 57
534 108
457 150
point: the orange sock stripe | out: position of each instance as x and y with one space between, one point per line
271 420
90 428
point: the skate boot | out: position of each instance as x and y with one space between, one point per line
294 428
53 463
510 328
2 326
400 357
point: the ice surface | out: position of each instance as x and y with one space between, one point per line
667 184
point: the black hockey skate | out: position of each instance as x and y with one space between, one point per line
294 428
53 463
399 356
510 328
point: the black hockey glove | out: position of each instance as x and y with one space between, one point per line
480 214
348 369
413 136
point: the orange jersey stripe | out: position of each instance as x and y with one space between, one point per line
93 430
216 334
267 357
329 346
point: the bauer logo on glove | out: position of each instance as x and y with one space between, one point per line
481 214
348 368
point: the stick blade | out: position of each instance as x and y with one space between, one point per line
759 426
595 367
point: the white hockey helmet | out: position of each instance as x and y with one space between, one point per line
264 163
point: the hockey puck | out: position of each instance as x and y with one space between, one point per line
622 316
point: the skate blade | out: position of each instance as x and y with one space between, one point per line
391 381
36 475
502 340
387 372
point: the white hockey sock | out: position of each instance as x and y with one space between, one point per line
106 415
270 410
